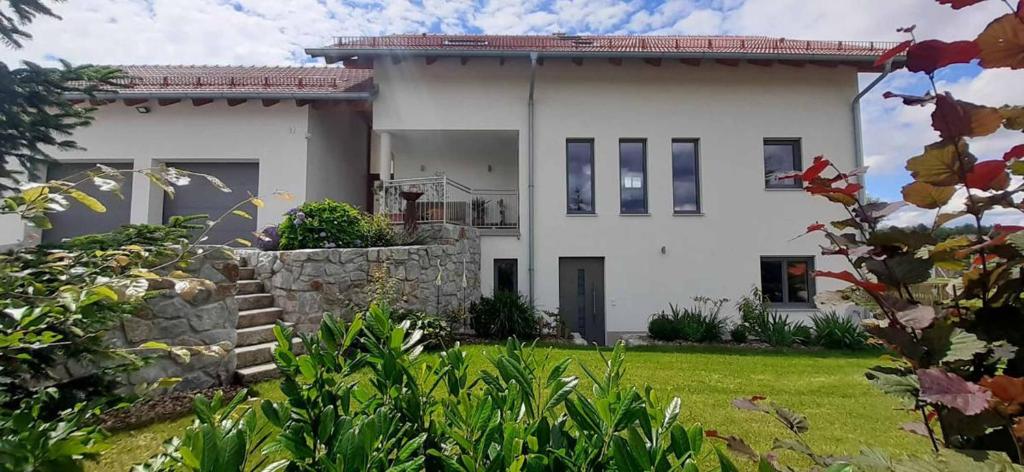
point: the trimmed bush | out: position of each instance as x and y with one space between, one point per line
739 334
323 224
662 327
701 323
505 315
834 331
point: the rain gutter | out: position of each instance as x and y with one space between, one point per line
324 96
529 174
858 133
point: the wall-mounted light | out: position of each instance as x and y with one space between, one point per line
489 168
423 168
142 110
664 250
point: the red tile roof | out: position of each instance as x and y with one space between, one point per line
736 47
242 80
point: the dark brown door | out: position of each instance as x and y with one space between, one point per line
581 296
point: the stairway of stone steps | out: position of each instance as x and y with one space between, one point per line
257 316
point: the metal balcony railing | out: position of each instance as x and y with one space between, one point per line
443 200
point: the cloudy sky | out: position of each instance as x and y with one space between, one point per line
276 31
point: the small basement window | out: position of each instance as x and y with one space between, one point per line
788 281
506 275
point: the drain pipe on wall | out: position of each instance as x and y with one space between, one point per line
858 136
529 175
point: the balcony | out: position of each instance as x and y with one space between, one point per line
443 200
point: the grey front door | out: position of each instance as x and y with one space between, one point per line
78 219
581 296
201 198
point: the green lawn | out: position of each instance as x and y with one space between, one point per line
829 387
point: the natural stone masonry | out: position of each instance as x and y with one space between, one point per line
187 312
442 276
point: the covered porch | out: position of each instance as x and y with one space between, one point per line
465 177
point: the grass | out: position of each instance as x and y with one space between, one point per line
845 412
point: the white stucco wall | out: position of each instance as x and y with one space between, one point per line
477 159
730 109
273 136
336 165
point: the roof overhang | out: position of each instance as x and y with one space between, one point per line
199 95
863 62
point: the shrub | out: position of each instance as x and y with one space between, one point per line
391 409
177 231
769 326
699 323
323 224
834 331
378 231
436 329
739 334
505 315
662 327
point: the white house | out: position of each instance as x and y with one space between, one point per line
609 175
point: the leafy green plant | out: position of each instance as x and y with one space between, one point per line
739 333
769 326
177 231
504 315
225 437
378 231
834 331
662 326
385 407
323 224
37 435
437 330
702 322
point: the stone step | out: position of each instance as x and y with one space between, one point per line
256 335
257 373
253 301
259 316
246 287
263 353
246 273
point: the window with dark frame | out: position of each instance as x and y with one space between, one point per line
685 177
781 156
633 176
788 281
579 164
506 275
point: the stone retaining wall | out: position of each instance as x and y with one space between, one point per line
442 276
200 312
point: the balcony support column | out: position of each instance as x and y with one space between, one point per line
385 157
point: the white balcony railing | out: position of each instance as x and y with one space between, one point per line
442 199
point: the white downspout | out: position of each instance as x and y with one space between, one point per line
858 137
529 176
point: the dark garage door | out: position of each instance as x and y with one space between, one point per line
199 197
78 219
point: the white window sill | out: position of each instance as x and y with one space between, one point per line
701 213
783 189
634 214
581 215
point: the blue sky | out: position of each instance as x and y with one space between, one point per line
276 31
